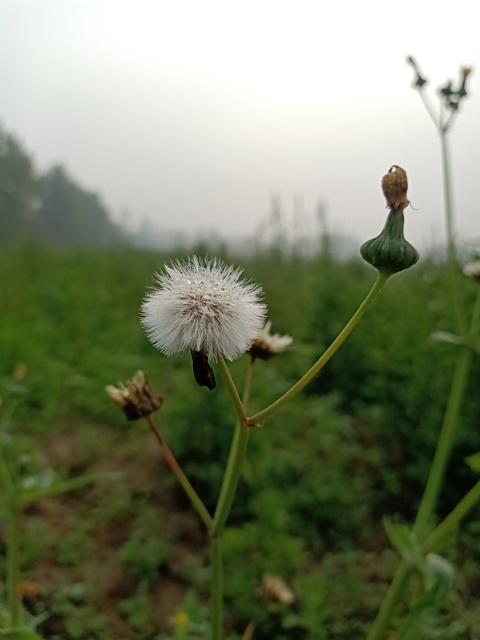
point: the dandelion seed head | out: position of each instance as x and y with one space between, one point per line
203 304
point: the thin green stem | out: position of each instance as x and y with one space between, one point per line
451 252
232 389
225 500
235 457
432 543
444 444
447 433
429 108
217 588
180 476
325 357
230 479
389 602
454 518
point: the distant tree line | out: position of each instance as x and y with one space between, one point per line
50 208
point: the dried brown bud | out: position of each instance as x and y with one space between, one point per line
202 371
465 72
136 397
394 187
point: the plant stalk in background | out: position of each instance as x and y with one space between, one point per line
448 108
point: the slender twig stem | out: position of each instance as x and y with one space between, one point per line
432 543
235 457
232 389
325 357
389 602
231 478
447 433
179 474
457 514
429 108
448 430
225 500
451 252
444 443
217 588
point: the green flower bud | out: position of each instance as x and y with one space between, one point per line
389 252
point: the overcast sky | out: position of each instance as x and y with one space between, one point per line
192 113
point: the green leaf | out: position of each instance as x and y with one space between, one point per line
473 461
445 336
439 574
405 542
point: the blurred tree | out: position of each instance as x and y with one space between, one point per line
18 189
70 215
51 208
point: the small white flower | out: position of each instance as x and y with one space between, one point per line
267 345
472 270
203 305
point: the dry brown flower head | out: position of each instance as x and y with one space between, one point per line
276 590
135 397
394 187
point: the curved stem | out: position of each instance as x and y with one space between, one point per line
389 602
225 500
180 476
232 389
452 520
235 457
444 445
447 433
325 357
429 108
230 479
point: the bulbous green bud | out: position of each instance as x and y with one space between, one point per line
389 252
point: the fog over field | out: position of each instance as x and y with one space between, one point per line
192 116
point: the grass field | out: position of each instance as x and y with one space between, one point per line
118 557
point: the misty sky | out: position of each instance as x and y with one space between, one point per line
192 113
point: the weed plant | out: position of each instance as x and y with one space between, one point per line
319 519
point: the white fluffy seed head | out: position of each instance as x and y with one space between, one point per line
203 304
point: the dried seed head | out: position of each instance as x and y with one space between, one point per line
394 187
267 345
203 305
136 397
274 589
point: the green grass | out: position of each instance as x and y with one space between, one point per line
319 477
